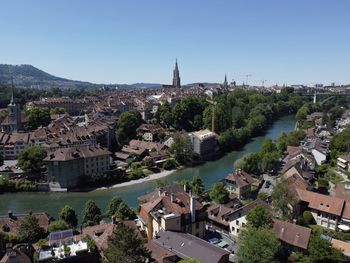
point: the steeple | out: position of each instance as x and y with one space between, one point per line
225 85
176 76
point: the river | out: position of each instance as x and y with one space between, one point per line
210 173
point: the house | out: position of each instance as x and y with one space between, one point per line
12 222
78 250
178 211
326 210
299 166
204 142
184 245
231 219
20 253
292 236
343 163
149 132
160 254
239 183
67 166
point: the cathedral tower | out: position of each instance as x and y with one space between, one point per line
176 77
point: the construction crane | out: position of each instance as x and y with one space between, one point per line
247 78
263 82
213 103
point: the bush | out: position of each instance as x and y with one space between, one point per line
136 174
308 218
57 226
169 164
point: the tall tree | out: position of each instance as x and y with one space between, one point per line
219 193
182 149
117 207
257 245
91 214
320 250
124 246
68 215
197 185
126 127
259 217
282 199
29 229
31 158
37 116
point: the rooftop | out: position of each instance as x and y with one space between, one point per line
188 246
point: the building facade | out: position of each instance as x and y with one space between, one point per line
69 165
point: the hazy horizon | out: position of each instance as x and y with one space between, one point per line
289 42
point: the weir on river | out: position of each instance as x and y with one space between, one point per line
210 172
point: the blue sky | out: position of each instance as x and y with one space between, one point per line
281 41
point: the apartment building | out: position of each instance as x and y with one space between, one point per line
67 166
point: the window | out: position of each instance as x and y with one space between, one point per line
197 225
237 222
233 228
237 230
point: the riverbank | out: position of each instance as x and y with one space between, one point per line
210 172
149 178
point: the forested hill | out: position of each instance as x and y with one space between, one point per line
28 76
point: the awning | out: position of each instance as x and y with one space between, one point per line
344 227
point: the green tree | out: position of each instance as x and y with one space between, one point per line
114 205
117 207
269 161
31 159
257 245
169 164
58 226
68 215
91 214
282 198
250 163
185 112
124 246
302 113
164 115
197 185
29 229
149 163
308 218
320 250
259 217
182 149
127 124
37 116
219 193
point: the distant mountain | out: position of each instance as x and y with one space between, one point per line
28 76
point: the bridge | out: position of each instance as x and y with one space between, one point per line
326 96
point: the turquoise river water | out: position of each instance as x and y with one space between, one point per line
210 172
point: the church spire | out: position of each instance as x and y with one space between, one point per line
225 82
176 76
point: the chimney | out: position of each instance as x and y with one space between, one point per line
185 188
10 213
172 198
193 208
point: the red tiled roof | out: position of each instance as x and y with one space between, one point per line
292 234
325 203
